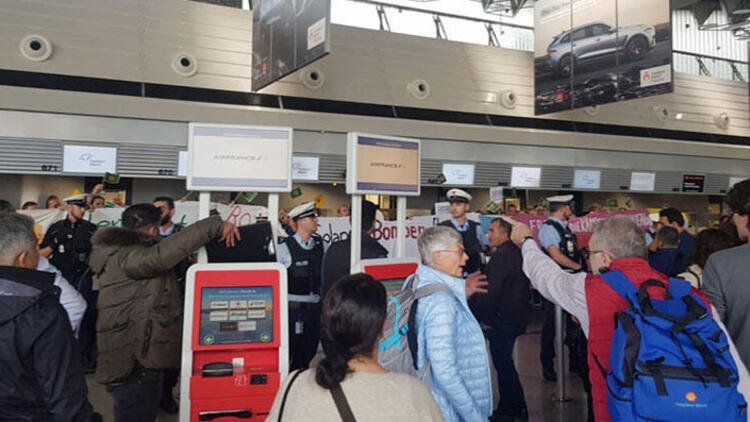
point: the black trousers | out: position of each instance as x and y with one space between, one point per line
502 339
87 331
137 397
304 333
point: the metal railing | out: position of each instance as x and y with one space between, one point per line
495 30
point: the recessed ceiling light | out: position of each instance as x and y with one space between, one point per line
678 116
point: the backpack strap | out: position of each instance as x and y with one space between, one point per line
342 405
286 393
394 338
620 283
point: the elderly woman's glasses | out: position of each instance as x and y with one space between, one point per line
459 252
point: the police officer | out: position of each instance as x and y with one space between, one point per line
67 244
471 231
302 255
560 243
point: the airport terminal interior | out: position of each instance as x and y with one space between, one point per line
214 184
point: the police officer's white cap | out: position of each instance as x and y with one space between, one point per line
458 195
79 200
560 199
304 210
654 217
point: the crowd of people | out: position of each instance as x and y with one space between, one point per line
109 301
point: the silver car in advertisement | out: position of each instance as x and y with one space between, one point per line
595 40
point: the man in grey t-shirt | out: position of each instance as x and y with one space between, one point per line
726 277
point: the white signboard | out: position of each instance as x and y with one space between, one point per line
382 165
443 210
305 168
587 179
525 177
182 164
496 194
644 182
89 159
734 180
239 158
458 174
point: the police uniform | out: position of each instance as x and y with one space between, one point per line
555 232
70 243
71 246
303 261
471 233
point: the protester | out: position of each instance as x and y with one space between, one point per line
707 242
336 261
449 338
616 244
672 217
41 373
505 310
52 202
353 314
140 317
343 211
725 276
512 210
97 202
665 259
29 206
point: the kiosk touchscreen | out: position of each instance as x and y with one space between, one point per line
235 341
390 272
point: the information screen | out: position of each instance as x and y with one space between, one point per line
382 165
231 315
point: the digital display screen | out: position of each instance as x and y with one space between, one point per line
384 165
231 315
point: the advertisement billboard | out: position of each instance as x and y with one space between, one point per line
383 165
288 35
593 52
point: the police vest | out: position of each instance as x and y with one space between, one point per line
71 246
304 273
568 242
471 245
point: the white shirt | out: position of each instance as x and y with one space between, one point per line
72 301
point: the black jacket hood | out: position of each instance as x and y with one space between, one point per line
21 288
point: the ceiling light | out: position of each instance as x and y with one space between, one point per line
678 116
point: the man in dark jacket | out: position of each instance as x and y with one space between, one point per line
41 377
666 258
336 261
504 312
140 318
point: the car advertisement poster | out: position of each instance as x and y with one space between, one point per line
288 35
594 52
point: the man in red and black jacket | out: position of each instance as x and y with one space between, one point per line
616 244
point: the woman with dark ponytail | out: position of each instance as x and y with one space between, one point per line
353 314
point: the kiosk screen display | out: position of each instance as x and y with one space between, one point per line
231 315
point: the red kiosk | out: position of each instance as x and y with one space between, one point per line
235 351
391 272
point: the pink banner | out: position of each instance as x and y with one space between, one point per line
583 226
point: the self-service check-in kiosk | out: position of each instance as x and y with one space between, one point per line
235 347
391 272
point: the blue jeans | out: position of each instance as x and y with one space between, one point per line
502 339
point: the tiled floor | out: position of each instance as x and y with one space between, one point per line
540 395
